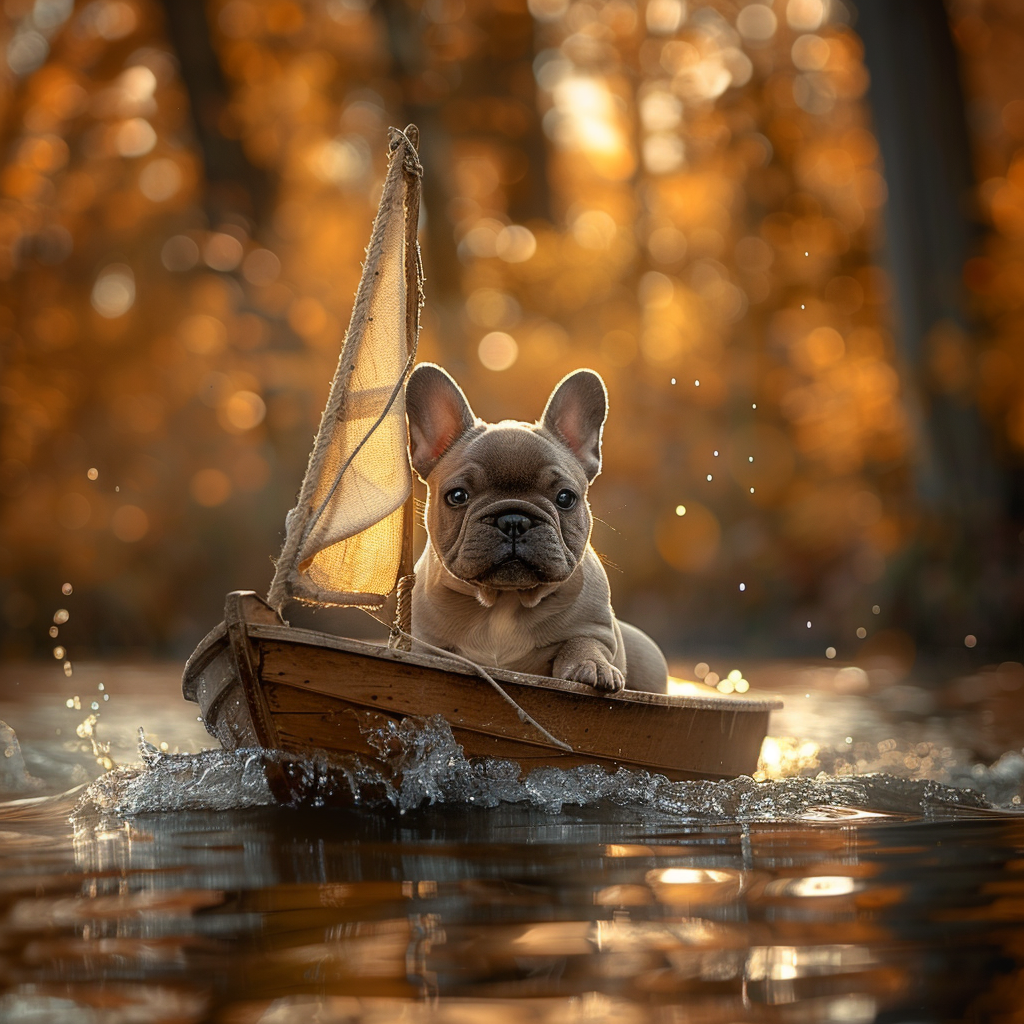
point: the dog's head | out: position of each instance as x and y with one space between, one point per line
507 502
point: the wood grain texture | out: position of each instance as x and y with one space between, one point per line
316 685
258 681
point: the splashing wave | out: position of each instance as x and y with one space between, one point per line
418 761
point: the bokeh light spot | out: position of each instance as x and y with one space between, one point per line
757 23
113 294
179 253
242 411
515 244
805 15
202 334
222 251
497 350
129 524
134 137
665 16
261 267
210 488
160 180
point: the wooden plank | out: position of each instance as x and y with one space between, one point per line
484 724
314 640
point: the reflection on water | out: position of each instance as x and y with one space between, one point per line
836 899
510 914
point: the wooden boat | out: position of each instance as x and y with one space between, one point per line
261 682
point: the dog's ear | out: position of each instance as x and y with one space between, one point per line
438 415
575 414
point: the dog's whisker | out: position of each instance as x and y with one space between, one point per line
607 562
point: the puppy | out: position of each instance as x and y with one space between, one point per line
508 576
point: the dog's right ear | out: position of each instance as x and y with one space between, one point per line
438 415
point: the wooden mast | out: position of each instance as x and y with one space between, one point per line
413 301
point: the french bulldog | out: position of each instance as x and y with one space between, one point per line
508 577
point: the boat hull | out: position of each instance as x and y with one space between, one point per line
259 682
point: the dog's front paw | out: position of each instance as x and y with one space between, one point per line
599 674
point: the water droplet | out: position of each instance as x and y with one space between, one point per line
808 623
807 254
754 406
696 383
117 490
709 478
751 490
849 739
875 610
861 632
93 474
70 702
970 640
803 307
716 455
53 631
750 458
106 696
673 380
743 586
67 669
100 687
830 652
61 615
680 510
67 590
94 706
58 653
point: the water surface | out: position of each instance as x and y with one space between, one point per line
836 898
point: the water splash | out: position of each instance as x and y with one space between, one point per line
419 762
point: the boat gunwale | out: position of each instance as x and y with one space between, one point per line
205 651
314 638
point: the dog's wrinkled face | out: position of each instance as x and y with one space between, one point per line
507 504
508 510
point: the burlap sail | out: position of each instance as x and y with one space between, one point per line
347 535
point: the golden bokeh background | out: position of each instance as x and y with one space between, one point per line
689 197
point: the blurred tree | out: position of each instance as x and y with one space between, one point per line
959 574
233 184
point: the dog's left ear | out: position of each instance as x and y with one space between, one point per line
575 414
438 415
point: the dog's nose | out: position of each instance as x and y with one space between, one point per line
513 524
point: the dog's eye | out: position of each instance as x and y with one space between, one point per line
566 499
459 496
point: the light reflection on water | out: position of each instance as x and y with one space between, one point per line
461 914
457 914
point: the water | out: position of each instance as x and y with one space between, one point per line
173 888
